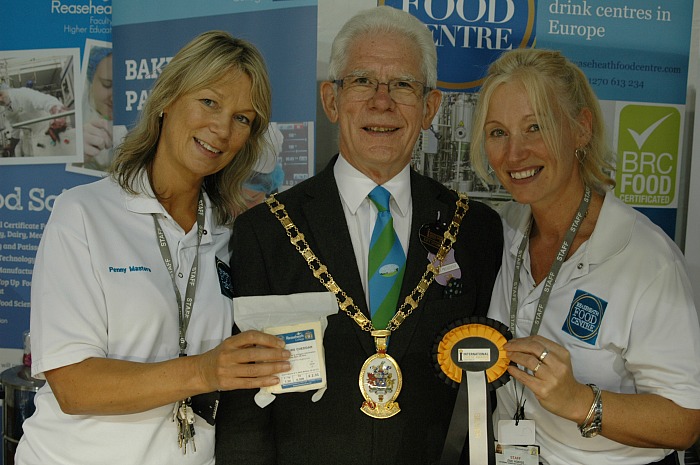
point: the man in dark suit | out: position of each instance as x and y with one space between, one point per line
381 93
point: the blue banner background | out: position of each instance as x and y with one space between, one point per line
290 54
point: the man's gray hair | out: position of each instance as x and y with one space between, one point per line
384 19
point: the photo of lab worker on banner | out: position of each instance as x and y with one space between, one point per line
37 107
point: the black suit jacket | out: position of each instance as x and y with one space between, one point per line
296 431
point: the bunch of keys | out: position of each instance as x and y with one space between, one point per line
184 416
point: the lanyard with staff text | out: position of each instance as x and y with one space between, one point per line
183 414
553 271
184 311
548 285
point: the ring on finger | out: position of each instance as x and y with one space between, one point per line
537 367
544 353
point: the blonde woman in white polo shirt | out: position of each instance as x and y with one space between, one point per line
131 276
607 340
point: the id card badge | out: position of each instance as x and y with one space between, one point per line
520 433
516 443
517 455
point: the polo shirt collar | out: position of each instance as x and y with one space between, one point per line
613 230
612 233
145 202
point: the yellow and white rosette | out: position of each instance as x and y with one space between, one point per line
469 355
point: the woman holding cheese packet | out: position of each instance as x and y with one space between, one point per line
131 294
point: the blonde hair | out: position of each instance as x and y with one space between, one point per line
558 91
203 61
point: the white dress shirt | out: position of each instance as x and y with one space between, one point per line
361 213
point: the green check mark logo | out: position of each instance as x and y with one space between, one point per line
648 154
639 139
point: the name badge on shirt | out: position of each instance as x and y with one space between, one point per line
449 269
516 433
517 455
516 443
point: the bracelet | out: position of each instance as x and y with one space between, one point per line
595 415
596 397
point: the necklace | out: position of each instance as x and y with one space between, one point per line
380 378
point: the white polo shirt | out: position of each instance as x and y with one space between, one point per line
622 305
100 289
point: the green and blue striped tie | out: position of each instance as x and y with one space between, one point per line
387 262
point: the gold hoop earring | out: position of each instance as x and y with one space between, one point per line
581 154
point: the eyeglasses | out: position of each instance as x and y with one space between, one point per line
402 91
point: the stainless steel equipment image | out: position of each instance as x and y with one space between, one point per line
442 152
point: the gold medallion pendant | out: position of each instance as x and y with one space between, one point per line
380 381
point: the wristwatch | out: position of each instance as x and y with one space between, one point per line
595 415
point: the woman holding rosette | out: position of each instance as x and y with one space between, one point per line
606 336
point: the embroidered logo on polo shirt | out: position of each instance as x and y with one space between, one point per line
129 269
224 273
585 316
134 268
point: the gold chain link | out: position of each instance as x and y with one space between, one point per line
345 302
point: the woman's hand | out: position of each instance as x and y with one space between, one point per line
638 420
549 375
97 136
245 361
103 386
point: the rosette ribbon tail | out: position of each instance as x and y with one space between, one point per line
471 420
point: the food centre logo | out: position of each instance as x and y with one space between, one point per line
648 148
470 34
